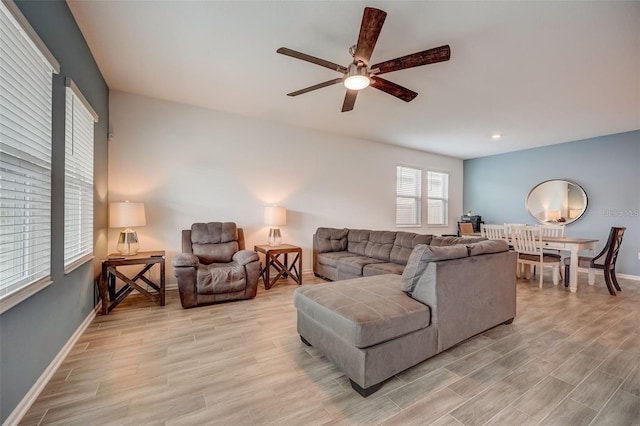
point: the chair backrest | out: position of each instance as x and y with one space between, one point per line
509 227
213 241
527 239
609 253
494 232
552 230
465 228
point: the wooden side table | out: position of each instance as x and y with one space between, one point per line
110 297
286 269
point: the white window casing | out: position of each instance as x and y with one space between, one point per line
26 78
408 196
78 178
437 198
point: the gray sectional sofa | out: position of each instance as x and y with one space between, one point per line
340 254
376 326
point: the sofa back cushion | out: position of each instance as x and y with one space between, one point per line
380 244
449 241
214 241
420 257
404 244
487 247
357 240
331 239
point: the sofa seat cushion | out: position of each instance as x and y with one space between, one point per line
220 278
363 311
353 265
382 268
332 258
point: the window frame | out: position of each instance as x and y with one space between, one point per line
417 197
30 158
79 177
444 199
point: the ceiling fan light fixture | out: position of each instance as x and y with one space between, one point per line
357 82
357 78
358 74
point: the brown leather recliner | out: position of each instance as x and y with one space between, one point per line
214 266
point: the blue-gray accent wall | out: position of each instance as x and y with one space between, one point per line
607 167
34 331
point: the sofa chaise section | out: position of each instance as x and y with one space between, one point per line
375 327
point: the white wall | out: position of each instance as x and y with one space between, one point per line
191 164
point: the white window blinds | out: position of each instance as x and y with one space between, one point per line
78 179
25 157
408 196
437 198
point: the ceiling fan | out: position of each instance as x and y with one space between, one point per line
358 74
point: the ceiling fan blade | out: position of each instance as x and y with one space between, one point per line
349 100
430 56
312 59
393 89
317 86
372 21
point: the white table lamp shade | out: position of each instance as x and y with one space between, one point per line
275 216
126 214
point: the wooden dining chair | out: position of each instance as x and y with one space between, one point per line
556 231
465 228
605 260
552 230
509 227
527 242
494 232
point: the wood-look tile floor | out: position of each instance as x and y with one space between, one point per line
567 359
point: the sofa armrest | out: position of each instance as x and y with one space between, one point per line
468 296
184 269
244 257
185 259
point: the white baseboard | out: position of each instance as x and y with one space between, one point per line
601 273
629 277
23 406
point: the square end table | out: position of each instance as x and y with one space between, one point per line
111 298
283 269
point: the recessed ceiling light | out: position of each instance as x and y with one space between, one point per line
496 136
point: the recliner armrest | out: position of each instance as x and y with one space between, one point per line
244 257
185 259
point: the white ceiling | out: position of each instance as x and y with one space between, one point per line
539 73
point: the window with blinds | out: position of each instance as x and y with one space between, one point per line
26 69
408 196
78 178
437 198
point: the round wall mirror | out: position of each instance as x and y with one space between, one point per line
556 201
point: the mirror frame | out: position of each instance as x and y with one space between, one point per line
566 221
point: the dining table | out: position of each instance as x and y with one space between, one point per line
568 244
574 246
